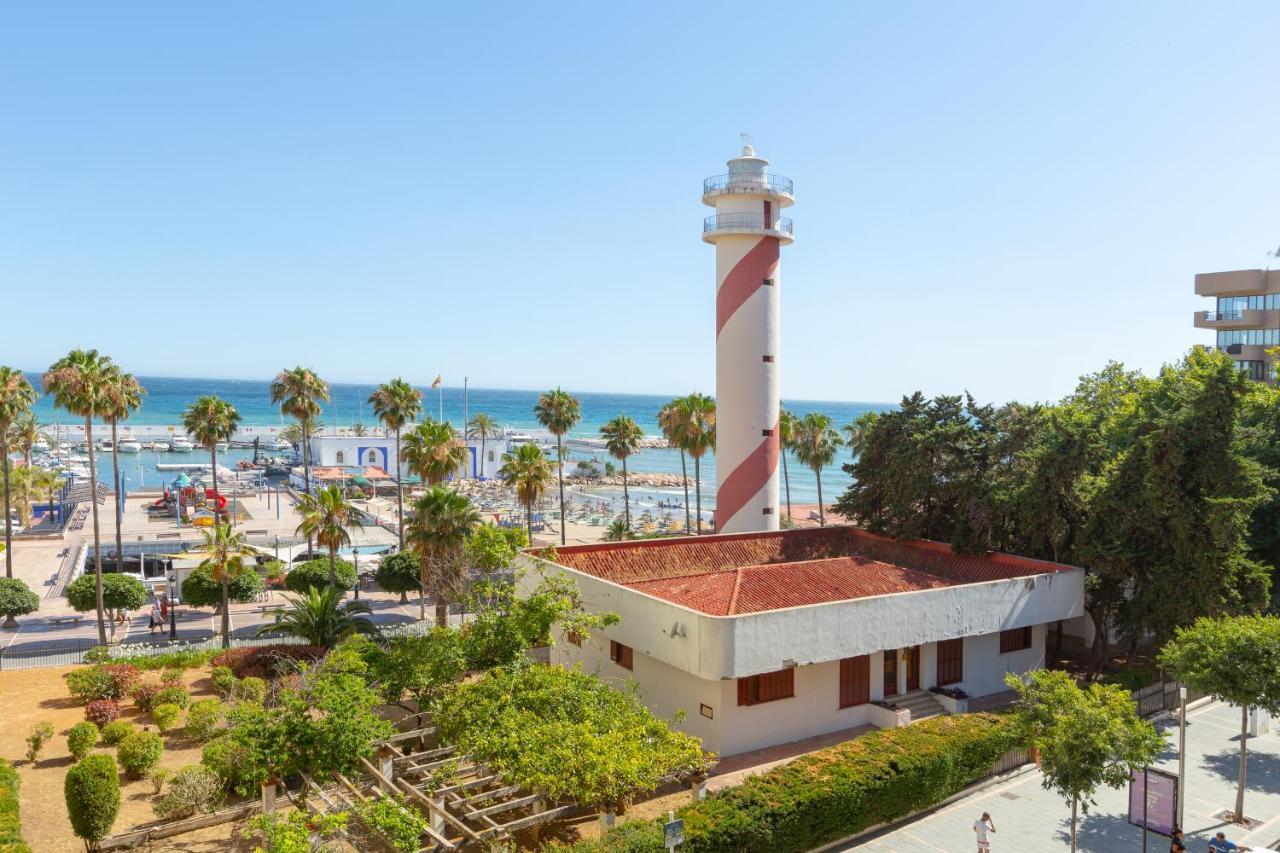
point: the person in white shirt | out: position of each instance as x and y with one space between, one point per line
981 827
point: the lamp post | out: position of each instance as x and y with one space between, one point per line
355 554
1182 752
173 608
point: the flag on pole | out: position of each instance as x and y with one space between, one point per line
436 383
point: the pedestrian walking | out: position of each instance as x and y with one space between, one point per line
981 828
1220 844
157 620
1175 842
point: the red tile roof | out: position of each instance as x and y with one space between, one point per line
753 572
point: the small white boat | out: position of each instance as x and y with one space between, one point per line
106 446
283 444
181 445
223 446
159 447
41 444
129 446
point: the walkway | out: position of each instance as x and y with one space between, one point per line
1030 818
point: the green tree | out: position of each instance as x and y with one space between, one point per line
441 522
203 587
1236 660
622 437
1086 738
857 430
699 434
673 420
483 427
224 555
16 599
119 592
326 517
397 403
528 471
92 792
320 617
490 549
122 397
25 433
1260 436
558 411
299 393
399 573
815 444
210 420
433 451
315 574
16 398
79 384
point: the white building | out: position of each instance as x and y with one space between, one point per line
363 451
771 637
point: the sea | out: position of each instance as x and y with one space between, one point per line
168 397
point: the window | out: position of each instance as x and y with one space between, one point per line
766 432
950 662
574 637
490 455
768 510
1015 640
767 688
855 681
768 282
620 654
373 457
339 458
768 359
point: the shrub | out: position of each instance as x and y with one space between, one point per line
92 791
314 574
294 832
166 716
10 826
633 836
1131 679
206 719
181 659
123 677
251 689
232 763
173 696
102 711
81 739
194 789
202 589
171 677
144 695
267 661
157 776
90 683
139 752
402 826
224 681
16 599
40 734
114 732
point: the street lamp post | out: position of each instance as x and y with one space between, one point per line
1182 752
173 609
355 553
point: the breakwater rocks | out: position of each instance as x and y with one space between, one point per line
640 478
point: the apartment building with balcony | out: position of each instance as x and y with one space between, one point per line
1245 316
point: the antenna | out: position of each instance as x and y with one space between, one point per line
746 138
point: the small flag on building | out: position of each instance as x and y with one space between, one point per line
436 384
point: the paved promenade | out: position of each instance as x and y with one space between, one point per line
1029 818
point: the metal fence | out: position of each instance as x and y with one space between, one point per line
1155 699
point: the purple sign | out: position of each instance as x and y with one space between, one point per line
1153 800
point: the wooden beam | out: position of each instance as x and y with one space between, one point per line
490 795
178 827
540 817
419 797
466 786
416 733
503 807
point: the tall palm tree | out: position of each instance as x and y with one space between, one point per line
123 397
26 432
786 434
224 553
622 438
483 427
78 382
299 393
815 445
397 403
672 418
856 432
441 522
528 471
321 618
699 437
210 420
326 515
433 451
16 398
559 411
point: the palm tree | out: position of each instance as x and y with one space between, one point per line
16 398
123 397
622 438
26 432
786 434
441 522
857 432
299 392
672 418
224 553
699 437
210 420
528 471
559 412
397 403
619 529
320 618
815 445
292 433
326 515
78 382
482 426
433 451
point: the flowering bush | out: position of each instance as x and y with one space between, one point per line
102 711
123 677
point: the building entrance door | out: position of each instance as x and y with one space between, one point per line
911 659
891 673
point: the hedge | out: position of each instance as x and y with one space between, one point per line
10 826
92 791
315 574
836 792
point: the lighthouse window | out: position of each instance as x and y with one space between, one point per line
766 432
768 282
768 359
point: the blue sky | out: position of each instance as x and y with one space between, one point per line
994 196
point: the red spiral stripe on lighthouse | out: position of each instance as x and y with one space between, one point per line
746 278
744 481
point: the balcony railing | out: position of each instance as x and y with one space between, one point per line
756 184
1215 316
744 222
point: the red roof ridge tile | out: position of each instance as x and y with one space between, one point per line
737 587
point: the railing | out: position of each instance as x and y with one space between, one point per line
745 183
744 222
1215 316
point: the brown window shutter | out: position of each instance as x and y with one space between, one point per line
744 694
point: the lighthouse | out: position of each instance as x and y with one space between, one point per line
748 232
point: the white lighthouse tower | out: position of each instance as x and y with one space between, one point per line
748 231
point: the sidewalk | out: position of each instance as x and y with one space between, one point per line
1030 818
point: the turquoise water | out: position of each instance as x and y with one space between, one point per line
168 397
